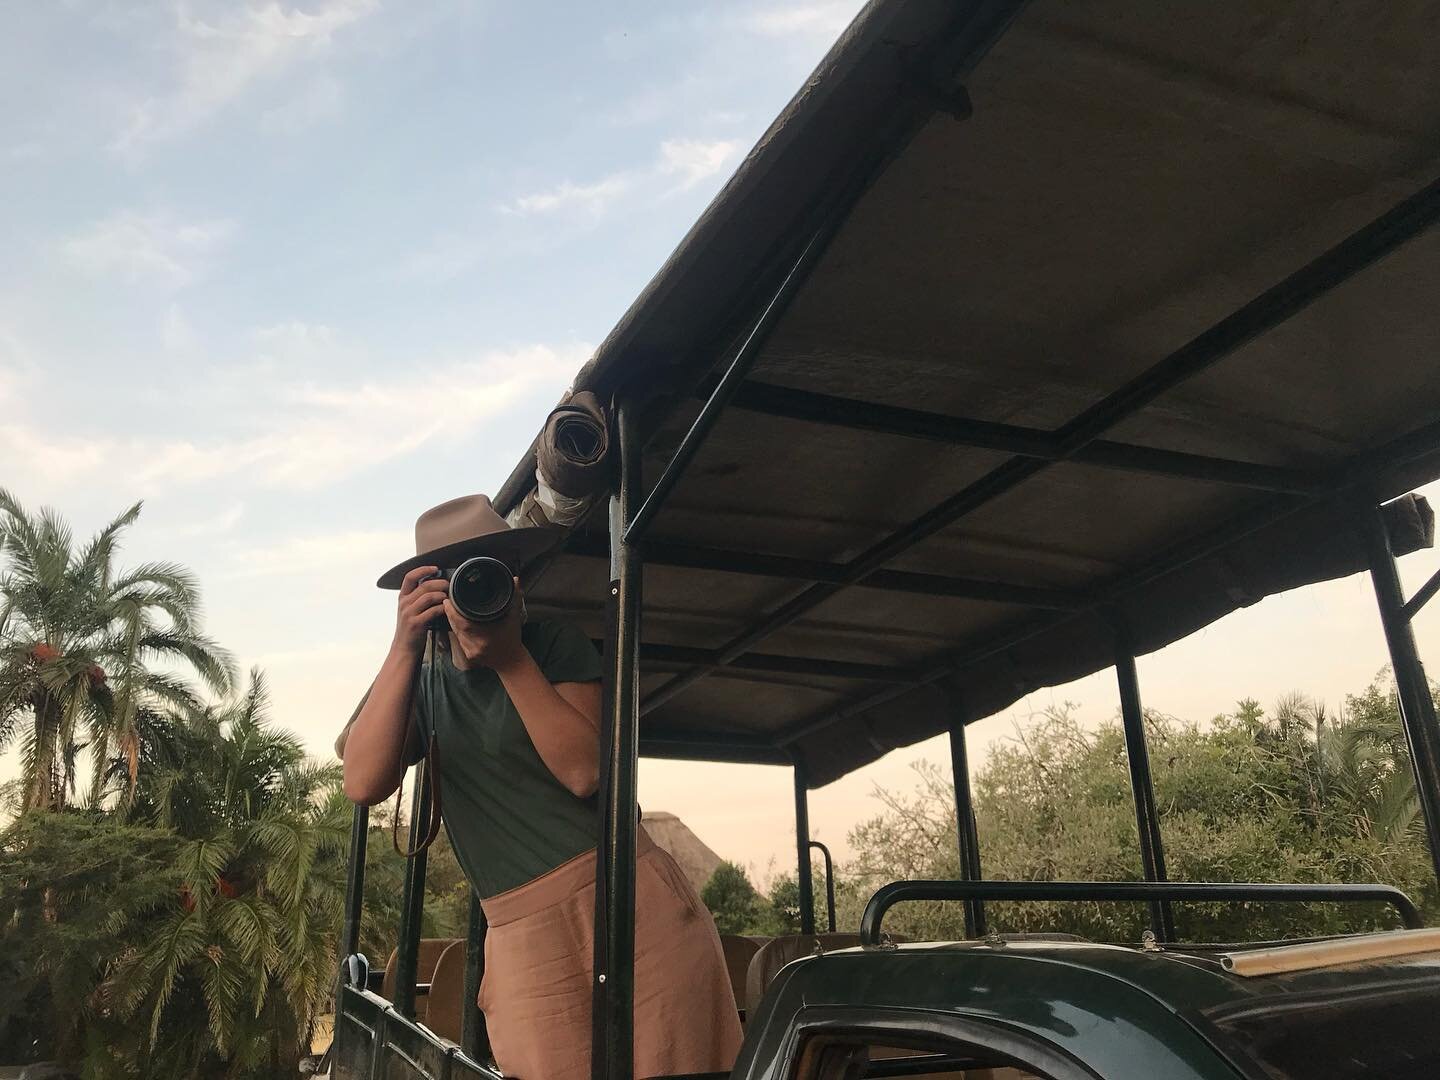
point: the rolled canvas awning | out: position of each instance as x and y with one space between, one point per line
1127 308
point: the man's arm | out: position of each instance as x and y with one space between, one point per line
379 742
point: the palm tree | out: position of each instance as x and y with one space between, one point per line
81 649
1375 770
243 962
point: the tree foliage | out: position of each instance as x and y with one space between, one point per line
739 908
87 650
1291 794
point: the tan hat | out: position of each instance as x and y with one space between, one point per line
448 534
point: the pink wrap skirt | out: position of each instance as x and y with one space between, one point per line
539 953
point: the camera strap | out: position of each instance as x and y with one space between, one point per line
432 773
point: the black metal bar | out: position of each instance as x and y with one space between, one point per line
474 1040
690 557
735 372
351 972
1417 708
803 878
816 845
1142 786
661 653
1365 470
412 898
1423 596
1140 891
816 408
355 882
968 833
1266 311
615 903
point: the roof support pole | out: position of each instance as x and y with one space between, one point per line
831 411
352 973
412 906
803 877
613 1048
1417 708
1142 787
474 1039
1423 596
739 367
816 845
355 882
969 836
1266 311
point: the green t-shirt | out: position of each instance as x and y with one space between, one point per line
509 819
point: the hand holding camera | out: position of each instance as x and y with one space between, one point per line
492 643
422 596
478 604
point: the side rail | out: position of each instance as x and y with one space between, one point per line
903 891
373 1041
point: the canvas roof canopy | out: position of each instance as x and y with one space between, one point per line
1102 320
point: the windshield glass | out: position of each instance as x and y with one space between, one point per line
1345 1036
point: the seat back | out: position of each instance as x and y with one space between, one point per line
739 951
445 1012
425 961
774 955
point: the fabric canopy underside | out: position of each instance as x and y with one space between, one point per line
1130 174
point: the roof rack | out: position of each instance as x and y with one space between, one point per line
1332 953
1151 891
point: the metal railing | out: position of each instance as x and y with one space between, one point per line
1150 892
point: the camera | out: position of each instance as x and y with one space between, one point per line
481 589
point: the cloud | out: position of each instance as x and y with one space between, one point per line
322 98
217 525
302 435
823 19
47 461
588 198
176 333
689 160
221 56
694 160
322 553
147 247
295 338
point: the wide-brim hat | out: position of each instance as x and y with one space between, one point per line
448 534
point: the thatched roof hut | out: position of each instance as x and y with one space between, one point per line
687 849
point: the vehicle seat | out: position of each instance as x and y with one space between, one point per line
739 951
445 1011
426 959
774 955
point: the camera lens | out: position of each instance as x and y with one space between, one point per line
481 588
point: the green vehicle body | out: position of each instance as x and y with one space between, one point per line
1114 1012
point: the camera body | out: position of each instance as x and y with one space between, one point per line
482 589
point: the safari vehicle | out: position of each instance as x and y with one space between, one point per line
1029 339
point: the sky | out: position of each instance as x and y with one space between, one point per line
291 273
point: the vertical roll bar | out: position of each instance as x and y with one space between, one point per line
1147 817
1417 708
968 835
412 905
614 964
473 1039
816 845
803 876
350 927
355 883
